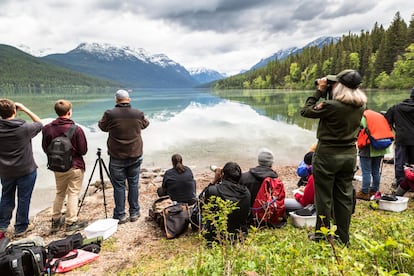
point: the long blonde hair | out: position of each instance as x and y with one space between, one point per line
348 95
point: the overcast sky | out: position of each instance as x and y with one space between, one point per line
224 35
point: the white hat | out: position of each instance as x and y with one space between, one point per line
121 94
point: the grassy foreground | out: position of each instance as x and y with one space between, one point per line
382 243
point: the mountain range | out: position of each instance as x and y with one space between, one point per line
136 68
284 53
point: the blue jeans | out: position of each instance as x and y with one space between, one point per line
24 186
370 166
121 170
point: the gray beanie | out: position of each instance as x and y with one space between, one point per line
265 157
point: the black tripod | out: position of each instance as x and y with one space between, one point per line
101 164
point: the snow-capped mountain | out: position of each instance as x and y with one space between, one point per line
284 53
204 75
132 67
35 53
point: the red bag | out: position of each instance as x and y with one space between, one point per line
363 139
74 259
269 205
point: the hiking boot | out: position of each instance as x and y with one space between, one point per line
123 219
29 228
57 224
362 195
134 217
76 226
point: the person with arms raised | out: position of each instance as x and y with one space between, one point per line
18 170
335 157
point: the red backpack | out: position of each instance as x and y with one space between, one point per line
269 205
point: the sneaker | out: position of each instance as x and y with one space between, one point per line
29 228
362 195
371 193
76 226
57 224
123 219
134 217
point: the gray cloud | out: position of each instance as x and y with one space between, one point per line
226 35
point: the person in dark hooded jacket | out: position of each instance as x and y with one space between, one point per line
18 169
225 185
253 178
401 118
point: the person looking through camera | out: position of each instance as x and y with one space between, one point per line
335 157
18 169
125 149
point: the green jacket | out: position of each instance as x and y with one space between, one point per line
338 124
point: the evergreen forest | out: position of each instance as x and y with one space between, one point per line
384 58
23 73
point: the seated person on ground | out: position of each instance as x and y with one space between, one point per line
304 195
253 178
178 182
225 186
305 169
407 184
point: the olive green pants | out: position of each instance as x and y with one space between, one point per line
333 174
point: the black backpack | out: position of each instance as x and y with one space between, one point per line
59 152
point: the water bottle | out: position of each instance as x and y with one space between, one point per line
213 168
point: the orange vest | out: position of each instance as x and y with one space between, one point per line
377 125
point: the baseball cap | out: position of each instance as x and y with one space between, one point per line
349 77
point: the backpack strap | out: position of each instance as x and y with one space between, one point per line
71 131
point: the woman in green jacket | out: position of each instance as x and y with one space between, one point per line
334 161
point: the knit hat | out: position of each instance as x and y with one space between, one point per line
350 78
265 157
121 94
412 93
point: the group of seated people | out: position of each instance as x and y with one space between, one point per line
230 183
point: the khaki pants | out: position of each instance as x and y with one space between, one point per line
68 184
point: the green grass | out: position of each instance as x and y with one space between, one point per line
381 244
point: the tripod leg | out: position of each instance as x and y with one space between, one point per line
102 164
86 191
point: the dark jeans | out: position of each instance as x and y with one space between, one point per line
402 155
24 186
121 170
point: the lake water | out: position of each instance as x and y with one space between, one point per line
205 127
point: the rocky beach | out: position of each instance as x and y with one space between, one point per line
143 235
